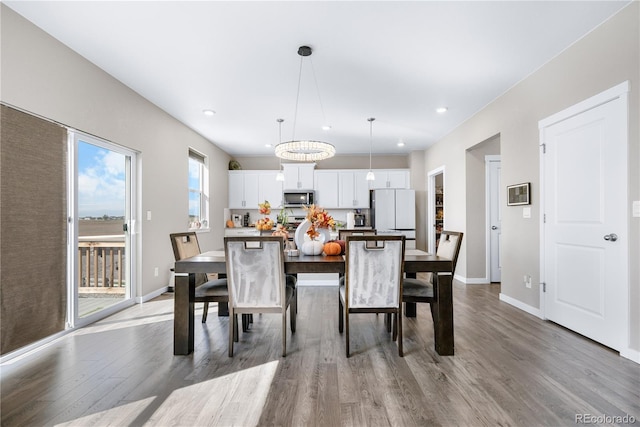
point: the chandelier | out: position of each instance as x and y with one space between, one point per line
304 150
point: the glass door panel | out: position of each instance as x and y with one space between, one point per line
102 244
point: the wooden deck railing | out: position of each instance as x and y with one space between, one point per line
100 262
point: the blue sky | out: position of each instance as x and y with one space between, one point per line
101 181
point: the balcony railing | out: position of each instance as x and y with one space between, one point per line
101 262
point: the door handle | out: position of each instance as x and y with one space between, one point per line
493 227
611 237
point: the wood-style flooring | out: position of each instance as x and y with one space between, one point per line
510 369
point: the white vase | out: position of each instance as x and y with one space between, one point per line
301 236
312 247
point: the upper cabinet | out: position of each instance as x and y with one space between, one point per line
326 188
270 189
353 189
243 189
298 176
249 188
391 178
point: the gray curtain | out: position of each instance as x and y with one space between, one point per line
33 228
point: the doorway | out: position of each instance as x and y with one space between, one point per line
585 246
435 207
101 250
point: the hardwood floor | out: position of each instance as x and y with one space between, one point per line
510 368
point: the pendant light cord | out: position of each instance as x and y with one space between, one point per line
295 114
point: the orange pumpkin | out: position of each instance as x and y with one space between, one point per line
332 248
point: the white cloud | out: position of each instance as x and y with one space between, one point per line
101 187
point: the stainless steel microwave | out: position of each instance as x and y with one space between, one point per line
296 199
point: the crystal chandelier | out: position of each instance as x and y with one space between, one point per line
303 150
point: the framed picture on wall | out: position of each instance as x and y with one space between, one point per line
518 194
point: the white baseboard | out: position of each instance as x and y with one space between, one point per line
633 355
522 306
151 295
472 281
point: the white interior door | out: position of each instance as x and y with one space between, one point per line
494 216
585 249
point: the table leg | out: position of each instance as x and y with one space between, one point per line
183 312
410 307
442 310
223 307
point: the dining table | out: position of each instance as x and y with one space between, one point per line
415 261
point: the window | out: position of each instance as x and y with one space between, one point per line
198 191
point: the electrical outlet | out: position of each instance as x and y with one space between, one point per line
527 281
156 272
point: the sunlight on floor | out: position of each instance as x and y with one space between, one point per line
234 399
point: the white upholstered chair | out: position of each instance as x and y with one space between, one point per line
257 283
373 281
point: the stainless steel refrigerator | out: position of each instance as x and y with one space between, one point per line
394 212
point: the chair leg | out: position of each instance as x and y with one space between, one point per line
236 336
347 332
340 315
387 321
399 326
231 332
293 310
245 322
395 325
205 311
284 333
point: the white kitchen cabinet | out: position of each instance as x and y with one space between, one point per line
326 188
353 189
391 178
243 189
298 176
249 188
269 189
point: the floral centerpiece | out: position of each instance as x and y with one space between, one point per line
265 223
319 218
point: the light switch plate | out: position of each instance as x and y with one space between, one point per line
636 208
526 212
148 215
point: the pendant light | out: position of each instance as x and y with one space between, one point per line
304 150
370 175
280 175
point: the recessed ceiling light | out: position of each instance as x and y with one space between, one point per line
441 110
267 145
400 143
326 127
208 112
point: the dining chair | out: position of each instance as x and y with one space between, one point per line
257 283
372 282
343 233
423 290
185 245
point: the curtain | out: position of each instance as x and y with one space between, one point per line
33 228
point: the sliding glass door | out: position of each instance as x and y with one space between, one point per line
101 249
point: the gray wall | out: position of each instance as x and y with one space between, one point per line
604 58
42 76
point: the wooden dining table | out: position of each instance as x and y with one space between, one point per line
415 261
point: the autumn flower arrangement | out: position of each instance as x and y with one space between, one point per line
265 223
319 218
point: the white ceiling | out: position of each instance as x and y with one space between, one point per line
393 60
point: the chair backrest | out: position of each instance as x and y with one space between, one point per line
342 234
449 246
373 271
255 271
185 245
